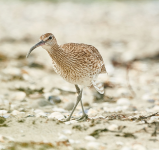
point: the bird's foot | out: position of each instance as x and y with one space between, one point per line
84 117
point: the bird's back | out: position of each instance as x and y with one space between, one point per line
88 54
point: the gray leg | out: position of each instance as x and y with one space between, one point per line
84 116
77 89
78 99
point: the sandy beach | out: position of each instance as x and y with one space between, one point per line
34 99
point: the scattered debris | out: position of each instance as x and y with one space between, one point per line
3 57
127 134
63 143
96 133
21 56
28 90
36 65
79 127
2 120
33 145
156 128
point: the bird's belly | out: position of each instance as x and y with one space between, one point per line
78 76
85 81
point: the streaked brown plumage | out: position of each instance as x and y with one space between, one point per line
77 63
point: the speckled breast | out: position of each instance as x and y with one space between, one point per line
79 74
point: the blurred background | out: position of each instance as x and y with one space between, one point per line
126 32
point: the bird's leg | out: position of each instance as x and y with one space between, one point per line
78 99
84 116
77 89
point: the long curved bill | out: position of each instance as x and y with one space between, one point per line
35 46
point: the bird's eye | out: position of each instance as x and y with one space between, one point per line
50 37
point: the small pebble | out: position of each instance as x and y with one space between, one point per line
122 92
26 77
15 112
54 99
29 115
21 109
56 109
6 116
41 114
71 122
12 71
123 101
43 103
126 148
115 109
62 137
37 111
151 100
46 95
119 143
154 119
113 127
138 147
92 112
71 141
146 97
96 146
56 92
56 115
18 96
3 138
69 106
35 96
155 108
67 132
90 138
3 112
2 147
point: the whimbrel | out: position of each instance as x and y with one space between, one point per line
77 63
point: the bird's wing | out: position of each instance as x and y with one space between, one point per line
99 57
85 50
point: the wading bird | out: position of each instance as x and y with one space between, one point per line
77 63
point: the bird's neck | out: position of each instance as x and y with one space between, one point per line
58 55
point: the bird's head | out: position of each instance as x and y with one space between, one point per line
46 41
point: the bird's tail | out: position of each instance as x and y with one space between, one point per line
98 86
